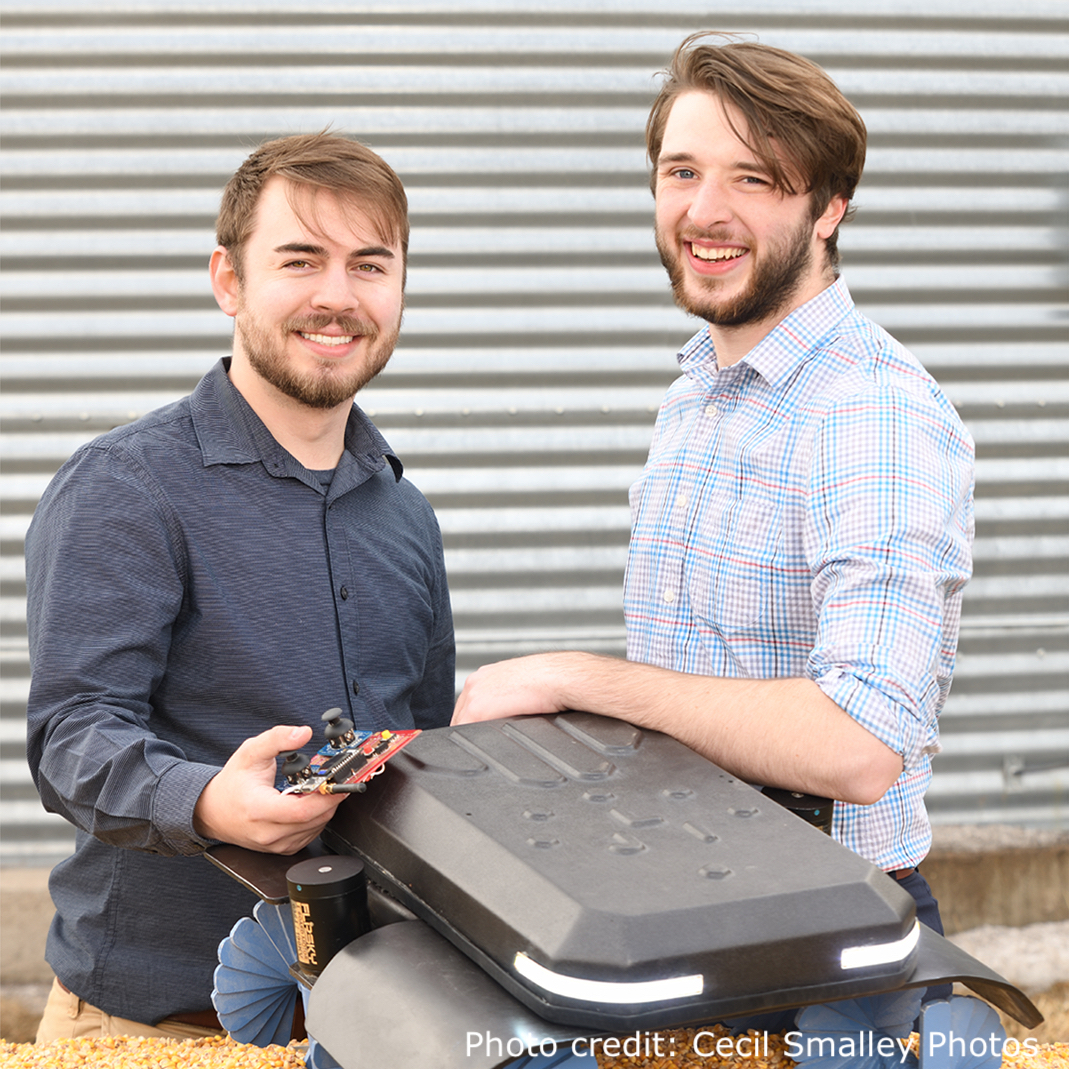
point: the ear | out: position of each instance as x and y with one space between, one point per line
832 217
225 283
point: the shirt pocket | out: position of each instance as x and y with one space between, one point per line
730 579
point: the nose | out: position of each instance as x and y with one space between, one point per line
709 206
335 290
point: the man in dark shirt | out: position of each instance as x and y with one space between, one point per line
204 583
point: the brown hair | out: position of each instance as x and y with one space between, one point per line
784 99
349 169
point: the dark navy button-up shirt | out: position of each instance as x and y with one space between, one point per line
191 584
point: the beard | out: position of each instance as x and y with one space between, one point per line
328 385
777 275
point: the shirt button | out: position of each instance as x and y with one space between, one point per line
345 593
682 501
712 410
356 687
669 595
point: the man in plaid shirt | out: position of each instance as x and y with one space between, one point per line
801 531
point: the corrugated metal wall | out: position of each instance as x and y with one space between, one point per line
540 334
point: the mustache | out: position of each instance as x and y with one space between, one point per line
719 234
315 324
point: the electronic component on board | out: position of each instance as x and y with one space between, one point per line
348 760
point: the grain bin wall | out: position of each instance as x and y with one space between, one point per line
540 333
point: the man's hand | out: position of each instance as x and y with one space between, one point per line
519 687
240 805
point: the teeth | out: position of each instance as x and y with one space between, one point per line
328 339
716 254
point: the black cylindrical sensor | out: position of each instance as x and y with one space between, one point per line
328 896
811 808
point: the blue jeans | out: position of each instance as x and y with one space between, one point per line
927 913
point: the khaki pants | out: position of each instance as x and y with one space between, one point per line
67 1016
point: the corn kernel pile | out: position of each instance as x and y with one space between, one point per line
1049 1056
137 1052
140 1052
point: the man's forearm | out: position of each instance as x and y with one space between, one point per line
101 770
776 732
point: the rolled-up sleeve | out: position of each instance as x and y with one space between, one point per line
888 537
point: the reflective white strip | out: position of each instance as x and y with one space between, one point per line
881 953
605 990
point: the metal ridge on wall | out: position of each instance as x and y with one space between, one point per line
540 332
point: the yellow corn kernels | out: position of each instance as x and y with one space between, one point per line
139 1052
136 1052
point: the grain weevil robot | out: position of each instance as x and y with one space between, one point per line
547 879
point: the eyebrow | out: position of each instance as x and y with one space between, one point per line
738 165
675 157
318 250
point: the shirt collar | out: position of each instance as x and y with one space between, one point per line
784 348
230 432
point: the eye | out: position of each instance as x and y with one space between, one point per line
299 264
683 172
371 269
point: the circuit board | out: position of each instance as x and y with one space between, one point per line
344 769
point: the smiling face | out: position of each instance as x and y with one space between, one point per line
739 252
317 308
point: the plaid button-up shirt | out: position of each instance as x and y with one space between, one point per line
807 512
